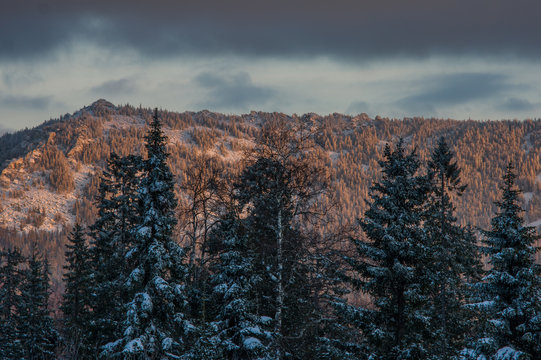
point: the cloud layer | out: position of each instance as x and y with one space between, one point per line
232 91
345 29
24 101
454 89
461 59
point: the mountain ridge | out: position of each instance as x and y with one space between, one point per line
49 175
85 130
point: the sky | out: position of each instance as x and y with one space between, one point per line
460 59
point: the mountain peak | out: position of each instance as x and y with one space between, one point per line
102 102
100 106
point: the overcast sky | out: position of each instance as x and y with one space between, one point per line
461 59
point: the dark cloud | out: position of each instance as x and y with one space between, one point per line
116 87
25 102
452 90
346 29
232 91
17 77
516 104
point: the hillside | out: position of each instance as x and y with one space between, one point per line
50 174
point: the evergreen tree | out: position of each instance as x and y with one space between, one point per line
391 262
278 191
511 288
455 257
242 333
112 235
10 281
77 298
154 322
205 343
35 326
337 339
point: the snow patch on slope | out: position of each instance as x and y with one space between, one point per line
527 146
527 197
535 224
56 208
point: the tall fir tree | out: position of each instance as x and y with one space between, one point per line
337 339
455 258
278 191
112 235
241 331
512 288
390 263
77 300
36 330
154 323
10 281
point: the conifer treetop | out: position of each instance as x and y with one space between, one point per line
156 141
443 166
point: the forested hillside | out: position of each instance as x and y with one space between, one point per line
50 174
247 252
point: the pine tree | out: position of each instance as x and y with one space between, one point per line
205 344
112 235
154 322
511 289
455 257
77 298
10 280
35 326
391 261
242 333
278 191
337 339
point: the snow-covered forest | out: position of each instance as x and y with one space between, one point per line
253 268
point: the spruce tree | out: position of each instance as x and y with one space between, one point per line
279 192
35 329
455 257
242 333
337 339
10 281
511 289
205 343
112 234
391 260
77 301
154 322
